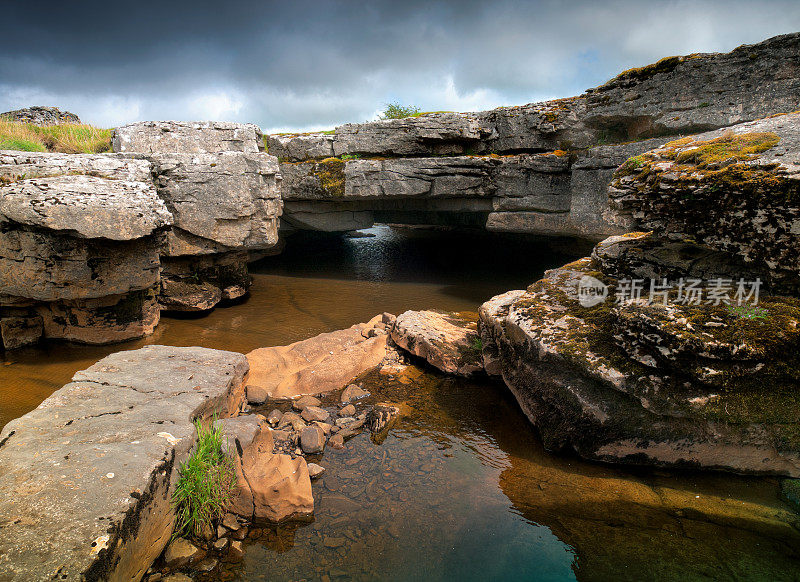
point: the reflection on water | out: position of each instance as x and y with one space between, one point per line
320 283
461 488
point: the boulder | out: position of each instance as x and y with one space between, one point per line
238 433
317 365
120 428
181 552
381 416
271 487
447 341
301 403
17 332
637 383
194 137
198 283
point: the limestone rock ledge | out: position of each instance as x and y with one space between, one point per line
675 385
79 253
94 501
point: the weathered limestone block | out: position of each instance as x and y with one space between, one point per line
432 134
49 266
736 191
105 320
85 206
300 147
447 177
95 500
45 164
227 200
644 256
447 341
195 137
325 217
694 386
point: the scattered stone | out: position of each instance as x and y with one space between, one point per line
348 410
304 401
256 395
221 544
181 552
315 470
312 439
230 522
326 428
275 417
236 551
314 413
336 441
206 565
353 392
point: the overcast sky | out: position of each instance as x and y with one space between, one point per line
301 65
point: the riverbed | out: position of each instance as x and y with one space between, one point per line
460 488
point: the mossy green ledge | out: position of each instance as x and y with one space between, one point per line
695 387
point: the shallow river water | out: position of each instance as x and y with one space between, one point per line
460 488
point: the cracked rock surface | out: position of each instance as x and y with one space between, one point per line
93 502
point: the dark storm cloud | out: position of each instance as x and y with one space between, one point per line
302 65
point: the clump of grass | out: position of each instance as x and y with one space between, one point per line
397 111
206 484
71 138
477 344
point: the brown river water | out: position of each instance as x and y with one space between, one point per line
461 488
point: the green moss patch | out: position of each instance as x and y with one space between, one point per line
330 173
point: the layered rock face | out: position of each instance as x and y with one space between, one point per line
79 251
222 191
95 500
536 168
93 246
663 348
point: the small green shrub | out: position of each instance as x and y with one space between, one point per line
349 156
397 111
477 344
206 484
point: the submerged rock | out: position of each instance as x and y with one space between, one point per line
448 341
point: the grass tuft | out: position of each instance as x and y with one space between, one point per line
71 138
206 484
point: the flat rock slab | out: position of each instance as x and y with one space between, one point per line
190 137
85 479
317 365
447 341
87 206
